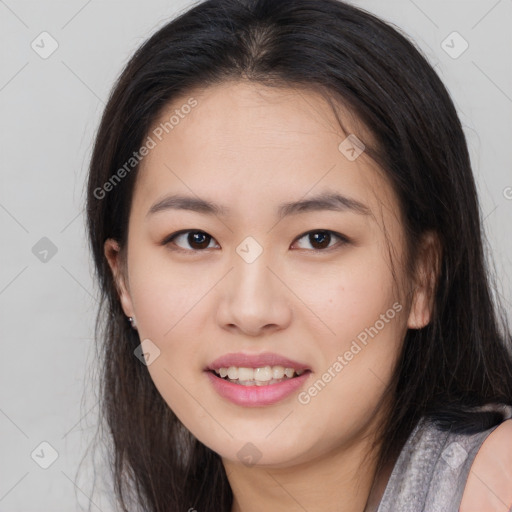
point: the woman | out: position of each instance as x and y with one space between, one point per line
296 311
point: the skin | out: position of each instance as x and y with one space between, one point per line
252 148
489 484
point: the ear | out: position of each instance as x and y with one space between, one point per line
113 255
426 275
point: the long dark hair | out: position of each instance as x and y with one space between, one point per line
460 360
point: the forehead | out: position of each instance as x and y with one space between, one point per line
250 145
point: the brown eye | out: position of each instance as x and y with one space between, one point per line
320 239
196 240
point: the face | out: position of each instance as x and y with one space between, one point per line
311 284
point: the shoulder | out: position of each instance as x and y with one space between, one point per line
489 484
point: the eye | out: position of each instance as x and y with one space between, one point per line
199 240
322 238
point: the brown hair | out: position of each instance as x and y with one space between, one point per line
458 361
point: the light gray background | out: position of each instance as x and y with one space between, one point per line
50 109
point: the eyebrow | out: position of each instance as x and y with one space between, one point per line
328 200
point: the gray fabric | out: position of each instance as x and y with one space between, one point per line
431 471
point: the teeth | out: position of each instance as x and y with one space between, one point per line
233 372
257 376
289 372
243 373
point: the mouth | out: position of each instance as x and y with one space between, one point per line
259 388
262 376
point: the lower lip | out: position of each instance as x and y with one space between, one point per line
254 396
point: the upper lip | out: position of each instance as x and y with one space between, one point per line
241 360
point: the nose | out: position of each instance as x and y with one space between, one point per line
254 299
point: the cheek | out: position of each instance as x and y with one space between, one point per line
358 360
165 295
170 313
358 302
352 294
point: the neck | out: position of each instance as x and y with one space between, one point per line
342 478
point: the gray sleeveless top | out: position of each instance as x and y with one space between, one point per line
432 469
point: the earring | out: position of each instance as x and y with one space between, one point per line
132 321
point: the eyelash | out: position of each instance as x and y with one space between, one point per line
343 240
